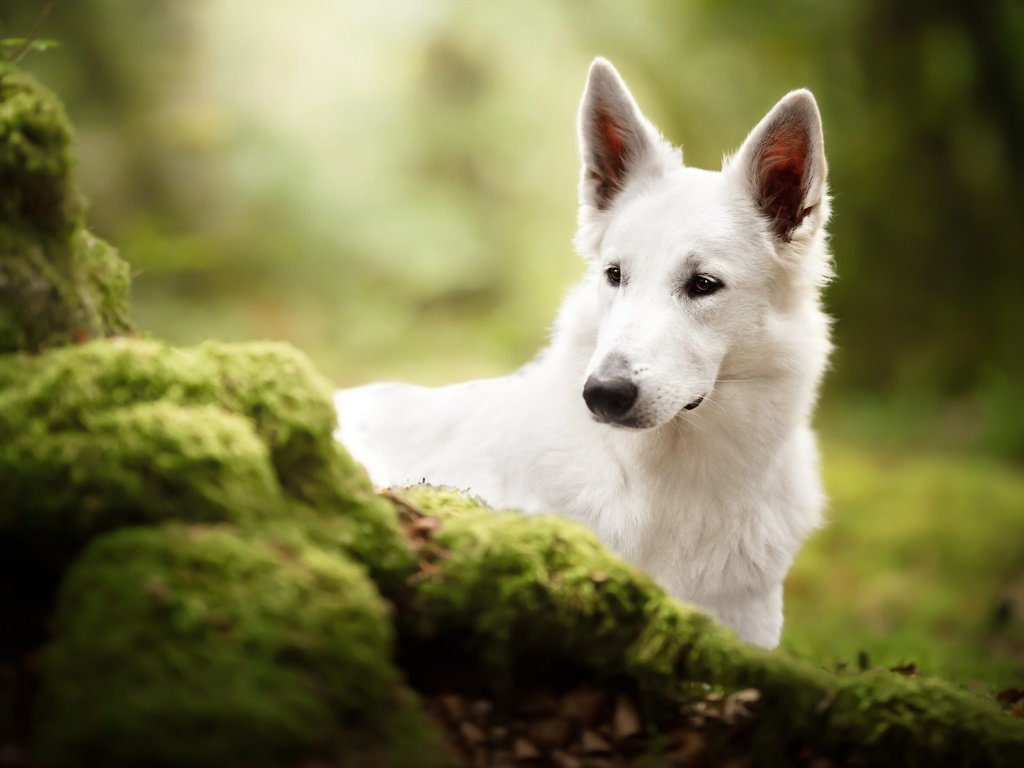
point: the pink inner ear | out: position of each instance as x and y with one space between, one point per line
609 154
611 134
781 169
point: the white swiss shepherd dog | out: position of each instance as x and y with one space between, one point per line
671 411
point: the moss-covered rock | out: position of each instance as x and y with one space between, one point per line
58 283
144 463
126 431
270 384
200 647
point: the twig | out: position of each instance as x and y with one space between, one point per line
34 32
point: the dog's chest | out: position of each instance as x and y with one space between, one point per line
699 540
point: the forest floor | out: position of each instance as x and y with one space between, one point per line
921 563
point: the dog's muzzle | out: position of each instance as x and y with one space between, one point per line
694 404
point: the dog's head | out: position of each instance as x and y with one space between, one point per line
691 267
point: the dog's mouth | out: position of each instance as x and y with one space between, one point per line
633 422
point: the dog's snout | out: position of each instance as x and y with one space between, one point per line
611 397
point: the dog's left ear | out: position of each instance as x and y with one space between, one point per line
782 164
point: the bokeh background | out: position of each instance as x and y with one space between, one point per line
391 187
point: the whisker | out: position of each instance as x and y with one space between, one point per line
718 405
692 422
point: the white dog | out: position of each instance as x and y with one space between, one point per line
671 411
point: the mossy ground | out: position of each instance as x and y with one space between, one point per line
195 573
921 563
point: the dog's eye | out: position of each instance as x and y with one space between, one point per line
614 275
702 285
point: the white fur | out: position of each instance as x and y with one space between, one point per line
713 502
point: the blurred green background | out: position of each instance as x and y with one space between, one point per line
391 186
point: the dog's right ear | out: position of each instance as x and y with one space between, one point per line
617 143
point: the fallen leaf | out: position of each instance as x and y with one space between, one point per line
591 743
625 721
737 706
564 759
426 571
524 749
747 695
688 743
481 708
553 731
826 702
1010 695
584 705
472 733
426 525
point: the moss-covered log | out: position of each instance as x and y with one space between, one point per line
517 591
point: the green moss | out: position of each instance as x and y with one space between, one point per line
526 587
108 280
138 464
57 290
291 406
58 283
35 158
887 719
367 533
520 585
195 646
230 433
514 591
272 385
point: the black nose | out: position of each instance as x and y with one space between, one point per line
609 398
